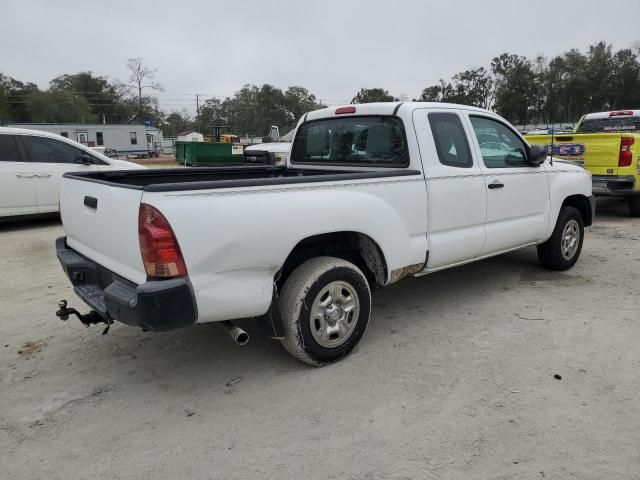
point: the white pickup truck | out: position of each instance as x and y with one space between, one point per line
370 194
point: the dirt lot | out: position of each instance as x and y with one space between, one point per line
454 380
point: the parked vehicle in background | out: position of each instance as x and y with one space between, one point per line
433 186
32 164
107 152
608 145
271 153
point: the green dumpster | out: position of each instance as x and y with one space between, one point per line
201 154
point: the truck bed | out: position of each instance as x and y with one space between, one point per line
177 179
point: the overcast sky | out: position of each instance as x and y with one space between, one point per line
331 47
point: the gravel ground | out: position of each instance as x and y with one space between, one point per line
454 380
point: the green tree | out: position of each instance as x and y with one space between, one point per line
515 86
104 98
370 95
14 95
625 82
211 114
299 101
177 122
58 106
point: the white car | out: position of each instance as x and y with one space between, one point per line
32 164
301 246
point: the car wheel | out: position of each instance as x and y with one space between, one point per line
634 205
563 248
325 306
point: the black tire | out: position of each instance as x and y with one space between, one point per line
551 253
634 205
298 297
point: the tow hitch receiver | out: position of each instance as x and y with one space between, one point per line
91 318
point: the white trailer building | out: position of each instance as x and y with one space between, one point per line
125 139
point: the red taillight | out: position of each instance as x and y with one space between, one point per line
626 157
343 110
621 113
160 250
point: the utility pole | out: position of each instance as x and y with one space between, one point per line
198 111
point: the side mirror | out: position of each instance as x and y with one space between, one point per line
537 155
83 160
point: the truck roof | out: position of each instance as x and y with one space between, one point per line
384 108
612 113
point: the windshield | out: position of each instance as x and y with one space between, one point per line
352 141
611 124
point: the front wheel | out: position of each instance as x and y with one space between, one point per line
563 248
325 306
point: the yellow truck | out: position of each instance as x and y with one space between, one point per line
607 144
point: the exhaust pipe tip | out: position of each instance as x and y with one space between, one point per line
238 335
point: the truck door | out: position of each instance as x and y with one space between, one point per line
52 158
517 192
456 192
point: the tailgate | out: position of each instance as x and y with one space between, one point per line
597 152
101 222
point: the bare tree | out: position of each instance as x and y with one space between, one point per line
140 78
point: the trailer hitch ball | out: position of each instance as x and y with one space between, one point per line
63 312
91 318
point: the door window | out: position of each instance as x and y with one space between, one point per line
48 150
451 141
9 149
499 145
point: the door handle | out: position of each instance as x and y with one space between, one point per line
43 175
25 175
494 185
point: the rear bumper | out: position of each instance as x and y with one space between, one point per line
609 185
156 305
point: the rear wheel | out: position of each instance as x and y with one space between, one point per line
563 248
325 306
634 205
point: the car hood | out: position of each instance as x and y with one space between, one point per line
276 147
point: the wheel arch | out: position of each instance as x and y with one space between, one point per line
356 247
581 203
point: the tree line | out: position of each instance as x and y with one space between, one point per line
523 90
540 90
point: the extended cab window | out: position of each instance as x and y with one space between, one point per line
499 145
378 141
451 141
9 149
48 150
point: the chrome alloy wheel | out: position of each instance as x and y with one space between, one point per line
570 239
334 314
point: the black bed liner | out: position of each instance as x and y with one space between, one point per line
179 179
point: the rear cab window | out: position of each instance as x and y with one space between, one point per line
610 125
377 141
451 140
